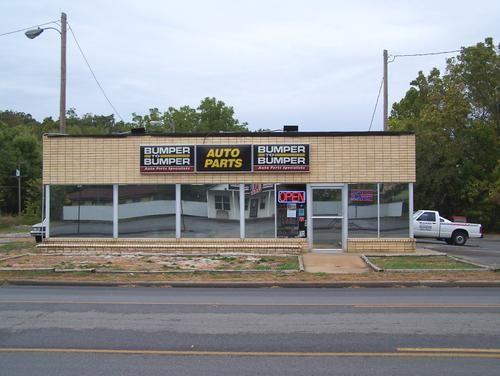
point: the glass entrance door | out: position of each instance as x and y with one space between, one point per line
327 218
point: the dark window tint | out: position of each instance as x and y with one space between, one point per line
427 216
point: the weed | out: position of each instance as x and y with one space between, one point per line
262 267
294 265
13 246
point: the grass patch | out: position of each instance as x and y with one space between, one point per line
80 274
419 262
262 267
17 223
12 246
293 265
228 258
32 273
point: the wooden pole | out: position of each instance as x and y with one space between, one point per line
62 99
386 107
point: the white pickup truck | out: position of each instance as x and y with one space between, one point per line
429 224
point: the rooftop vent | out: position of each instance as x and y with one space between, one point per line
290 128
136 131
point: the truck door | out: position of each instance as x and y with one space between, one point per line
427 225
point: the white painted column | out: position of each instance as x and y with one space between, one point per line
309 209
242 211
275 211
47 211
345 215
378 210
115 211
177 211
410 208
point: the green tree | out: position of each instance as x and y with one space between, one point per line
18 147
456 119
211 115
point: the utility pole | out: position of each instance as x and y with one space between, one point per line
62 99
18 176
386 112
386 106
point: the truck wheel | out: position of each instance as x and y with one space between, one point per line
38 238
459 237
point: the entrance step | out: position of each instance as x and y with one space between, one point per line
334 263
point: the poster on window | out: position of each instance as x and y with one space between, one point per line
362 195
167 158
281 157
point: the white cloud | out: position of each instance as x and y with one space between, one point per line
316 63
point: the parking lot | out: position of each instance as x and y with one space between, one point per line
484 251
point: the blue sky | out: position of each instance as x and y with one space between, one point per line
313 63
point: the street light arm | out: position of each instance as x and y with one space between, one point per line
53 28
33 33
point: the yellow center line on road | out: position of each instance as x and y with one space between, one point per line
447 350
429 354
427 305
404 305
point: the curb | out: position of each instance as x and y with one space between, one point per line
301 263
465 261
187 284
371 264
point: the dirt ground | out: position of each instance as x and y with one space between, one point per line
141 262
26 245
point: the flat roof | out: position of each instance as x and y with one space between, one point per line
238 134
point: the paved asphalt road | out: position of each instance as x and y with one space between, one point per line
484 251
151 331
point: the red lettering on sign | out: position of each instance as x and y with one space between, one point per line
292 197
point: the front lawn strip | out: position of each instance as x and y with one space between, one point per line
155 264
14 246
419 263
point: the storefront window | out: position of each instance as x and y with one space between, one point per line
363 221
146 211
222 202
394 219
291 211
259 211
210 211
81 211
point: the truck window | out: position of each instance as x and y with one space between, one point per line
427 216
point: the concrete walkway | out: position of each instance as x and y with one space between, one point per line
334 263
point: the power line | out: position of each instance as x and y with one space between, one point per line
93 74
376 104
26 28
424 54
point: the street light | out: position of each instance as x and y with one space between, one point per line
31 34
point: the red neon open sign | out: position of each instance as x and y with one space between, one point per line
291 197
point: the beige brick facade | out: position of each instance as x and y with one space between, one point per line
381 245
334 158
176 246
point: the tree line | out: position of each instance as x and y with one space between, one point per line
455 117
456 120
21 142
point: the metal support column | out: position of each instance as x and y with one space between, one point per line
242 211
345 215
115 211
378 210
309 212
410 208
47 211
178 211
